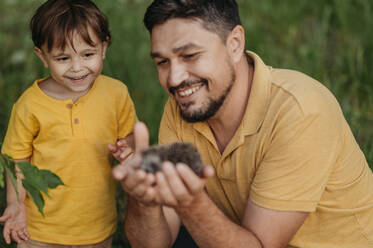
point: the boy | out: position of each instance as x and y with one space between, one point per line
64 123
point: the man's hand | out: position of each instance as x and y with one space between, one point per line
15 223
137 183
179 186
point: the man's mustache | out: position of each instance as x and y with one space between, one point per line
186 83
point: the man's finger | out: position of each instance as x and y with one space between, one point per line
138 177
121 171
208 171
190 179
140 190
177 186
141 137
164 190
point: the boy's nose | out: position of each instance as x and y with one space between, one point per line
76 65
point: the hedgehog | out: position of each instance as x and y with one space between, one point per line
177 152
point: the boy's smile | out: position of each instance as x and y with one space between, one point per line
72 69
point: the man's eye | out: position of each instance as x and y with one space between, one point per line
162 62
190 56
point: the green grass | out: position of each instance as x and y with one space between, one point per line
329 40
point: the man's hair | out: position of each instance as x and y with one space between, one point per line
218 16
56 22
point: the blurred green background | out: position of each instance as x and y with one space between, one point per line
331 40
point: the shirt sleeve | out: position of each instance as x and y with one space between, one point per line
298 161
22 129
126 114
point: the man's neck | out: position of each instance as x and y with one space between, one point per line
229 117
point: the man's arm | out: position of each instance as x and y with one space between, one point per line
180 188
147 223
150 226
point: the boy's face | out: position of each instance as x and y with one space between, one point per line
74 69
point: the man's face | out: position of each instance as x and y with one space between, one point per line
193 66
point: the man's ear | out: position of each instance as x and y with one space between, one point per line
236 43
41 55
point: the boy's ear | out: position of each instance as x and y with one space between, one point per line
40 54
236 43
104 46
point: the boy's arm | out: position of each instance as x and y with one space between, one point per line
11 196
14 215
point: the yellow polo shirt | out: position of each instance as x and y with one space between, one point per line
71 139
293 151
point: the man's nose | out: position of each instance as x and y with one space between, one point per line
177 74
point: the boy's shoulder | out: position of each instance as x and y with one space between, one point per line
110 83
30 95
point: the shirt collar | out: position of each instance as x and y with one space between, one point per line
259 98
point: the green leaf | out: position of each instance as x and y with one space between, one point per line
35 181
9 166
33 177
2 165
35 195
10 161
3 162
51 179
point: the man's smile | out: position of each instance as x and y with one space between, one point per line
187 91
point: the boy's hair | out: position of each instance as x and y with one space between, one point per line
56 22
218 16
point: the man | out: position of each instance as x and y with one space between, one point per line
287 171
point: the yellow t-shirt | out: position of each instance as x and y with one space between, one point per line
293 151
71 139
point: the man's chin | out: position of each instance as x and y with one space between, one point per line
196 116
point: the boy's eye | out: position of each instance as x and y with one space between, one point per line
88 54
62 59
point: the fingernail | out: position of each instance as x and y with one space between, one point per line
167 166
117 174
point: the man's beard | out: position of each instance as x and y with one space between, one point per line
210 107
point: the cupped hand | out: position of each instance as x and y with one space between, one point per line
179 186
15 226
137 183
